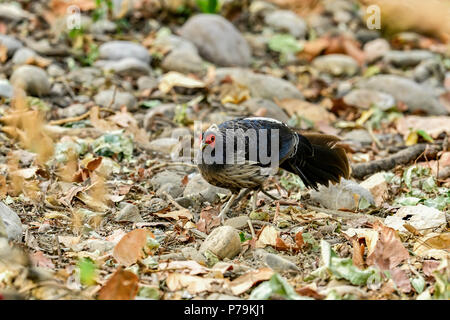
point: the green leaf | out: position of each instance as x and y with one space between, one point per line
284 43
150 103
87 270
112 144
149 292
429 184
407 201
278 286
371 71
425 135
343 268
418 284
208 6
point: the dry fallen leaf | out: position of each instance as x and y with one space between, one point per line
208 219
131 246
249 279
193 284
123 285
192 267
176 79
267 237
176 215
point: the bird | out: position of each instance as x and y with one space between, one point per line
241 154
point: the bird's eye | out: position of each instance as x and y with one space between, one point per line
213 138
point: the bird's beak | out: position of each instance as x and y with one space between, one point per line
204 145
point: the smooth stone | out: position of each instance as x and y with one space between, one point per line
260 85
10 223
32 79
223 241
74 110
365 35
408 58
286 20
164 177
336 64
129 213
190 253
270 108
105 98
125 67
146 82
366 98
376 49
163 145
238 223
6 89
174 190
11 11
85 76
346 195
217 40
155 205
416 97
54 70
358 135
274 261
46 48
117 50
427 69
22 55
11 43
319 23
197 187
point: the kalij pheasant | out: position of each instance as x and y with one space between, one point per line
241 153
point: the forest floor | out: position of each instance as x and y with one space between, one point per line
100 200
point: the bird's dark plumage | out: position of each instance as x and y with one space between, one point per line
315 158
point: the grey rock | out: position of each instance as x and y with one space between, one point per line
11 43
217 40
54 70
166 109
155 205
260 85
366 98
174 190
358 135
85 76
319 23
163 145
417 97
184 61
409 58
74 110
238 223
125 67
98 245
223 241
272 110
10 223
164 177
22 55
46 48
286 20
376 49
117 50
122 8
32 79
103 26
336 64
342 196
12 11
104 98
6 89
129 213
146 82
200 189
274 261
427 69
191 253
364 35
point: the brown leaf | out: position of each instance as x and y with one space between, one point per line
358 252
248 280
40 260
176 215
208 219
309 292
299 240
389 251
281 245
131 247
401 280
193 284
123 285
429 266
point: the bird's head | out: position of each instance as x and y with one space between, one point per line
210 137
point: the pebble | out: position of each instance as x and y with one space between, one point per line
46 48
346 195
190 253
11 43
146 82
84 76
217 40
103 26
260 85
11 11
55 70
155 205
358 135
131 67
164 177
375 49
223 241
105 97
23 55
163 145
416 97
32 79
410 58
6 89
238 223
366 98
201 190
174 190
117 50
10 224
336 64
286 20
129 213
267 107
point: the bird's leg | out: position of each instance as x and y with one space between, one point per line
269 195
223 212
255 199
242 195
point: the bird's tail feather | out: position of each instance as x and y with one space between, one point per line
322 160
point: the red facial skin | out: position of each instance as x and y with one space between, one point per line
211 140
